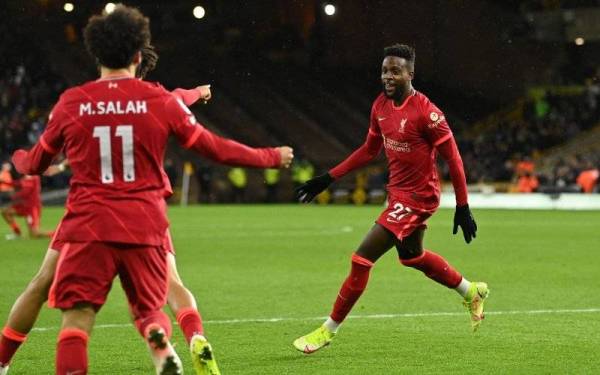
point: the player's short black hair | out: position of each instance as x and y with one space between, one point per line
149 60
114 38
400 50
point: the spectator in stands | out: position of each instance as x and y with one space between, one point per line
271 177
302 171
588 178
204 176
527 183
239 181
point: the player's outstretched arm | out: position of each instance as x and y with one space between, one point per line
359 158
230 152
191 96
194 136
463 217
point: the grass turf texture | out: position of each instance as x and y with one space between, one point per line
247 262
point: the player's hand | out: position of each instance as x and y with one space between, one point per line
313 187
287 155
52 170
464 219
205 93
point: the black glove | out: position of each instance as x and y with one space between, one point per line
313 187
464 219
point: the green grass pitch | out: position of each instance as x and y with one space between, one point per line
264 275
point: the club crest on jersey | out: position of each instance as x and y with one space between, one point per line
402 125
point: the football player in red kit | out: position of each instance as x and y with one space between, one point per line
181 301
114 132
27 203
412 131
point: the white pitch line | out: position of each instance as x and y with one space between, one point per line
372 316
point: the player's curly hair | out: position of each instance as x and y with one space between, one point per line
114 38
149 60
400 50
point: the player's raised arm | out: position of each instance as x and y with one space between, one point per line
193 135
37 160
462 216
191 96
359 158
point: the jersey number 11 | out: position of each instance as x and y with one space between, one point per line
106 170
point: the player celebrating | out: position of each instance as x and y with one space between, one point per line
181 301
114 133
411 129
27 203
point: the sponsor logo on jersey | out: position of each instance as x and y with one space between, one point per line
113 108
394 145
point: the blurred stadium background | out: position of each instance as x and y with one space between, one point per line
517 79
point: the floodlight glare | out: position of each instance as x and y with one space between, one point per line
110 7
199 12
329 9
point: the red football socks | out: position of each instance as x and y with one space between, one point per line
352 288
9 344
157 317
435 267
71 353
15 228
190 322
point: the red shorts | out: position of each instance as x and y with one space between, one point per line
85 272
167 244
31 214
402 217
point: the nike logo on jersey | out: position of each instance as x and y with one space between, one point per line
381 118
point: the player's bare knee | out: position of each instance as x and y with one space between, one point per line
80 316
409 250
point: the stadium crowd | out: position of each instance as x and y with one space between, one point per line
500 150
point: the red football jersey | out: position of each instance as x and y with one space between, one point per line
114 133
409 133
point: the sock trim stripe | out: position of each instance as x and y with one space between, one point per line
69 333
13 335
183 313
360 260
